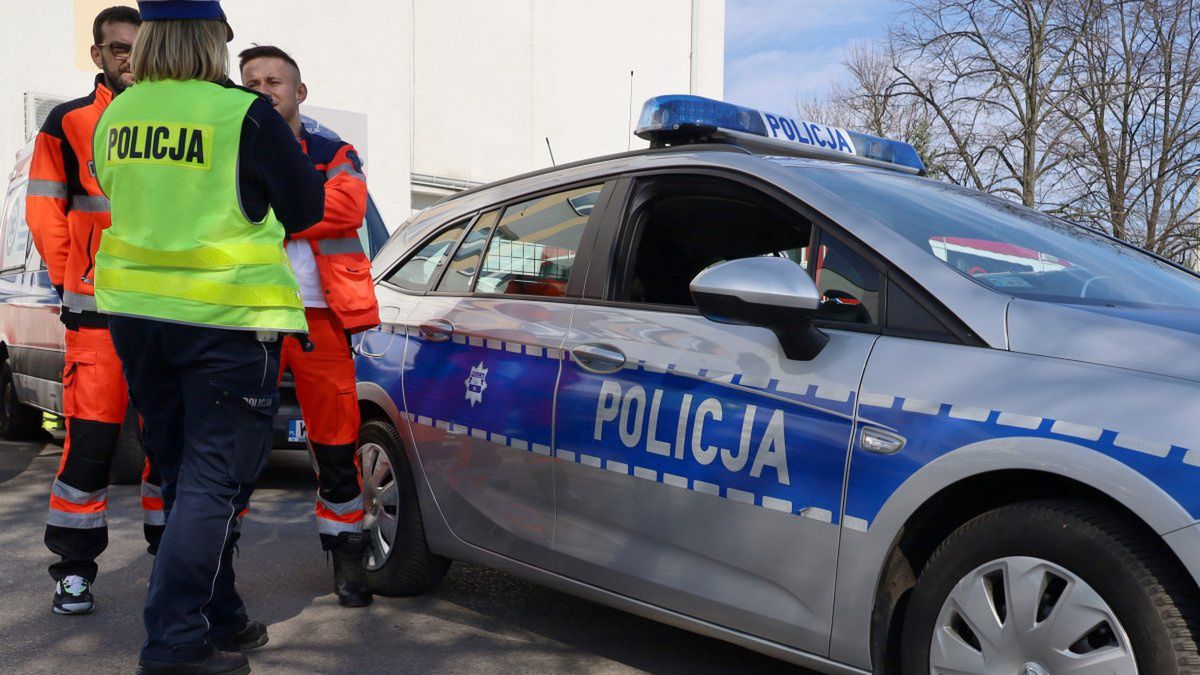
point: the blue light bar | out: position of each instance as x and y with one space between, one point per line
680 118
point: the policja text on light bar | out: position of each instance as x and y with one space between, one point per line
680 119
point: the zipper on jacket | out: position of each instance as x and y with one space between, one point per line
91 259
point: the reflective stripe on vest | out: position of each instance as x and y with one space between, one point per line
90 203
196 258
46 188
336 246
197 290
79 302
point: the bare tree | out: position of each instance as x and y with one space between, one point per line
873 103
1134 105
992 73
1085 108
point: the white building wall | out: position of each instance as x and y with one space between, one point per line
495 78
466 90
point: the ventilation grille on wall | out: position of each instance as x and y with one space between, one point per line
37 108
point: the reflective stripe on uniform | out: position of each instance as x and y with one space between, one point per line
333 527
79 302
344 168
78 497
46 188
90 203
343 511
336 246
152 504
210 292
197 258
77 521
74 508
335 518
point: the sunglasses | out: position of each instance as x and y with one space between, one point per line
120 50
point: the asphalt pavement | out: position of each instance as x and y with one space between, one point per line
476 621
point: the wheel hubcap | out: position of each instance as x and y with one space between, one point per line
1028 616
381 498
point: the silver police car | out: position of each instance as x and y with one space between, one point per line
762 383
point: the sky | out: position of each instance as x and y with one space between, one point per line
776 50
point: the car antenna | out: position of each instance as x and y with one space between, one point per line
552 162
629 141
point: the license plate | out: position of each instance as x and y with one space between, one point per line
297 432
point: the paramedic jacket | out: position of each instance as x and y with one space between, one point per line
342 265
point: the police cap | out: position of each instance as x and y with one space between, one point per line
166 10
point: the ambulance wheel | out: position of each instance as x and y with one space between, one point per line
18 422
1050 587
130 457
399 561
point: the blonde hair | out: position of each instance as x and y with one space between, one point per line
181 50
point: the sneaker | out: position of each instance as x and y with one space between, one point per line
73 595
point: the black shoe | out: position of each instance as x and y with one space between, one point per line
73 595
219 663
253 636
349 576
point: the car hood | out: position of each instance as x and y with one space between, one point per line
1161 341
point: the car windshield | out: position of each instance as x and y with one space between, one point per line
1010 248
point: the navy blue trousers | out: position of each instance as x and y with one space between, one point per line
207 397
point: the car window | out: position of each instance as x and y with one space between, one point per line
373 234
849 285
682 224
416 272
1009 248
14 245
533 249
460 273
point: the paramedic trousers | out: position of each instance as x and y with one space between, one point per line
207 397
95 400
326 390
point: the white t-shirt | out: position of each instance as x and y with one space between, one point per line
304 265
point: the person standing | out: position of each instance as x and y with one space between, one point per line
67 215
339 300
204 178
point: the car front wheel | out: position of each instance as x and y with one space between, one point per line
399 561
1051 587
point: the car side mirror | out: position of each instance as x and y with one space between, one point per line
774 293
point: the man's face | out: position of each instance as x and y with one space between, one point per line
112 56
279 80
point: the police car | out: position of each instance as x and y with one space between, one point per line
765 382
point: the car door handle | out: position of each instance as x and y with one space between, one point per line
360 347
598 358
438 330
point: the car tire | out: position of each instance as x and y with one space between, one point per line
404 565
130 457
18 422
968 606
